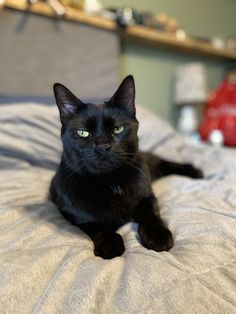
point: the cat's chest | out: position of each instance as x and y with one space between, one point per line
102 194
104 201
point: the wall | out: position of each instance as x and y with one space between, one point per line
153 69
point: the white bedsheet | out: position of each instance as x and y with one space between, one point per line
48 266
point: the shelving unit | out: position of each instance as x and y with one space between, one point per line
188 46
135 33
73 15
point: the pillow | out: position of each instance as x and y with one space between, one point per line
153 131
30 132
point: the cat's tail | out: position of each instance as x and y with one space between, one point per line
159 167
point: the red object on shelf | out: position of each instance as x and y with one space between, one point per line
220 113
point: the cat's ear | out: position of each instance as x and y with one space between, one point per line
68 104
125 95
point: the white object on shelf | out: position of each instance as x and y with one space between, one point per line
218 43
92 6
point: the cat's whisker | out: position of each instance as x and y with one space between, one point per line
71 173
129 162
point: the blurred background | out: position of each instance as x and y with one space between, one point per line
181 53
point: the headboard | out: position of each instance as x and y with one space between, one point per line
36 51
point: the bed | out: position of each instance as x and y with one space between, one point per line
48 266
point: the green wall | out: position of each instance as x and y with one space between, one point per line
154 68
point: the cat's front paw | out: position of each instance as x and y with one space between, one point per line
156 237
109 246
192 172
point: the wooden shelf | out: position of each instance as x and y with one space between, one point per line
139 34
188 46
71 14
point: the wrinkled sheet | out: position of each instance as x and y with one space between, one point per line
48 266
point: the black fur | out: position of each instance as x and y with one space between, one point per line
103 181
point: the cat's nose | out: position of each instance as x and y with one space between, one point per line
103 148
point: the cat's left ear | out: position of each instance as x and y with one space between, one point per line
68 104
124 97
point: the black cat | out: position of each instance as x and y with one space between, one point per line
103 181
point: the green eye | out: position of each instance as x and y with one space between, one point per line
118 129
83 133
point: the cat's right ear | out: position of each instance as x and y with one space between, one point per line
68 104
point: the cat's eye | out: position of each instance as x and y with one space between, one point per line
83 133
118 129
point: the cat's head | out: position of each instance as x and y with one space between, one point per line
100 138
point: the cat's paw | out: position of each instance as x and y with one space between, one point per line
156 237
109 246
192 172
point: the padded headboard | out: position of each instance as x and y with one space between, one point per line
36 51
